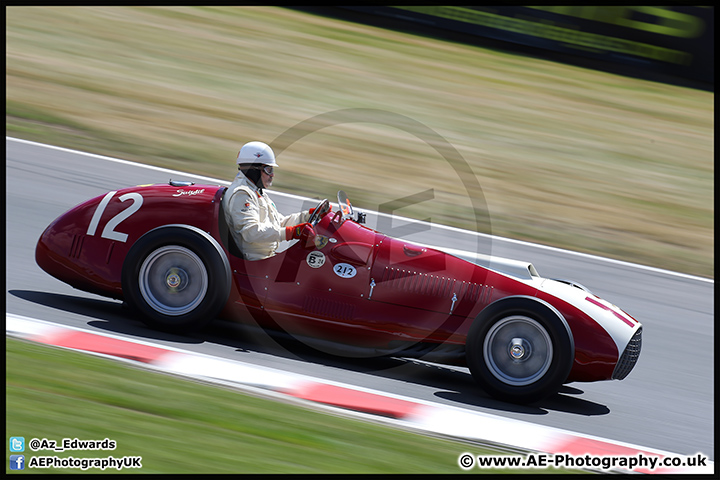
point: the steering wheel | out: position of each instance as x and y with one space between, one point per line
322 208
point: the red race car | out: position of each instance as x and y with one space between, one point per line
165 249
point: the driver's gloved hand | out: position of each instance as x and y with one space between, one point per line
303 232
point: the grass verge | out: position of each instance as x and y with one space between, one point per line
180 426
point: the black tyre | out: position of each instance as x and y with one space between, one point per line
177 277
520 349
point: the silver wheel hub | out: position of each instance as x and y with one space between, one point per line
176 279
518 350
173 280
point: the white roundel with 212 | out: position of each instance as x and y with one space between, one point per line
344 270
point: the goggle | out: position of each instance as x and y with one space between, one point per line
267 169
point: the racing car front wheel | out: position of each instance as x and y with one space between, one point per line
177 277
520 349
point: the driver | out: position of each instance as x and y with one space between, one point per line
256 225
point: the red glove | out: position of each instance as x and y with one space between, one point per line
304 232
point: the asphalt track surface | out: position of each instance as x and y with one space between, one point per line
666 403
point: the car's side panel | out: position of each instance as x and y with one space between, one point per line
601 332
595 351
86 246
321 291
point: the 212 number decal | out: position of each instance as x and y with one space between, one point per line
344 270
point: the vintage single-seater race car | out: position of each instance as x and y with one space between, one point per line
165 250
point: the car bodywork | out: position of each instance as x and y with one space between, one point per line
165 249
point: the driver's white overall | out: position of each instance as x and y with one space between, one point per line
256 225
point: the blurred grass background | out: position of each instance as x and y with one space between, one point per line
566 156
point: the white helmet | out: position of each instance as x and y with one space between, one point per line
256 152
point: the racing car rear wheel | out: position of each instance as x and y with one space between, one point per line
177 278
520 349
